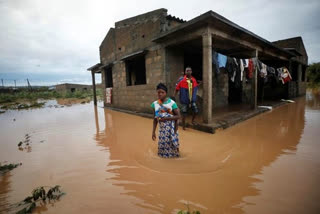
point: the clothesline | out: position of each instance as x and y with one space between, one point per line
235 68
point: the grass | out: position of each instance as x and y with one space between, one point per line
32 96
7 167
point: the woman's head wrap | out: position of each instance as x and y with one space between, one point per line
163 87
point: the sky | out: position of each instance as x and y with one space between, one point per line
55 41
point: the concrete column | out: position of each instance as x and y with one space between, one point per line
94 88
290 65
299 72
254 97
96 119
207 76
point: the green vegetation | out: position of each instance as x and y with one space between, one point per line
39 196
19 106
313 75
13 98
188 211
7 167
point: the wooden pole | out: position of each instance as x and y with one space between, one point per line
94 88
29 85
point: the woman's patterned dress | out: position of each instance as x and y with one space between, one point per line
168 145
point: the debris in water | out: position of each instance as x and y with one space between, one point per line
289 101
267 107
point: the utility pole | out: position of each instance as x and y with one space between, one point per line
29 86
15 84
2 83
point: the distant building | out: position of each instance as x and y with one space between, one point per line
141 51
68 87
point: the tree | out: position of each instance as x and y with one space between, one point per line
313 74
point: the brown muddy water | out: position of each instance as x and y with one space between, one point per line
106 162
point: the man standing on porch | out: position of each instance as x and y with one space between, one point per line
188 88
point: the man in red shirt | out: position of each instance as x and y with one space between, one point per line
188 88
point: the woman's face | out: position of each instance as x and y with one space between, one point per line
161 94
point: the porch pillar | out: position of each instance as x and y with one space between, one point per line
96 119
299 72
207 76
255 85
94 88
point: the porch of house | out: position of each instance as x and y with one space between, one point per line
192 43
225 117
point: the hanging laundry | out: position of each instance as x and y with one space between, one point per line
263 71
285 76
215 61
241 69
238 77
250 69
222 60
230 66
246 63
279 70
234 69
272 74
257 64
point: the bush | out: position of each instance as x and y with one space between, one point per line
313 75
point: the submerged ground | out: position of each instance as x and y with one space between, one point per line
106 162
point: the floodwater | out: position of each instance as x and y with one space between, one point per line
106 162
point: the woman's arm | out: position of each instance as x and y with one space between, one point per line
176 122
155 123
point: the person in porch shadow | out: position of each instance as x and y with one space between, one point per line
188 88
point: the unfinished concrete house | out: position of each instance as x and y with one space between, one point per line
68 87
139 52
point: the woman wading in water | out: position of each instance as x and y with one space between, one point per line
166 112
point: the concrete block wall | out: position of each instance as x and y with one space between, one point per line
137 97
302 87
174 66
247 90
108 47
220 88
292 89
131 35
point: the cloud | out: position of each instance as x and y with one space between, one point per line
63 37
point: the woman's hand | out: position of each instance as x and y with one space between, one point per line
154 136
162 119
176 126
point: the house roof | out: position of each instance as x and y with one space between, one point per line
292 43
170 17
219 21
94 67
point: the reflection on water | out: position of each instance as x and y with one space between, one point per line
107 163
313 98
215 171
4 190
